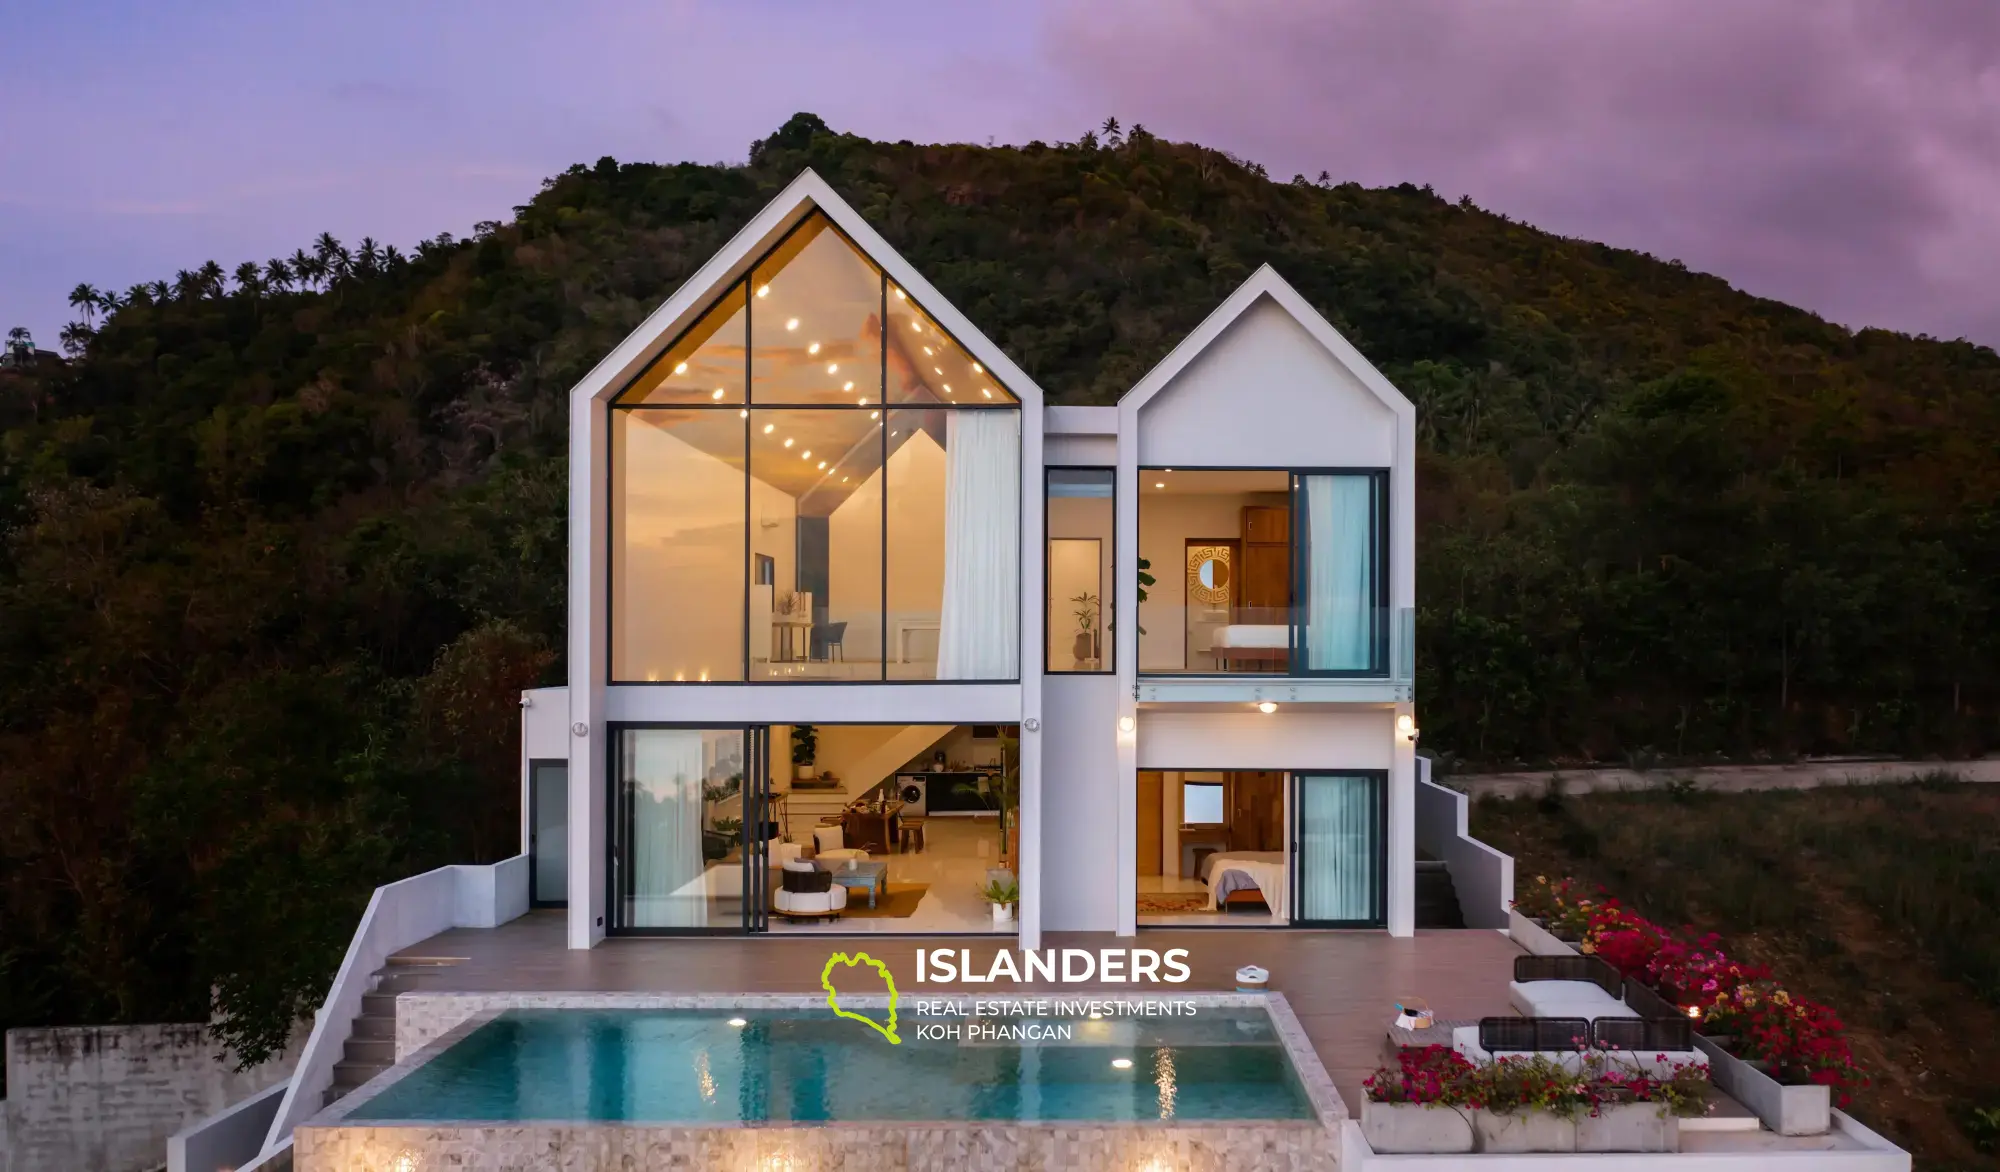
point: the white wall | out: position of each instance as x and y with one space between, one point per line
1080 820
1266 394
1248 739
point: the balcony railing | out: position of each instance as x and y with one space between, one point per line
1282 671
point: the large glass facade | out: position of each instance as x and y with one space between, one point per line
1080 519
790 526
1263 571
677 829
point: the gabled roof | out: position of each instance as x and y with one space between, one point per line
1266 282
793 204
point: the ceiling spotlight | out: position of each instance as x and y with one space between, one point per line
848 386
743 414
1266 707
927 352
788 441
917 326
806 455
977 369
763 290
1166 469
822 465
938 369
987 391
862 402
681 368
792 324
899 296
717 394
813 349
769 428
833 368
843 480
874 415
947 388
1159 484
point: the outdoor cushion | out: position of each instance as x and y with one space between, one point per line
1583 999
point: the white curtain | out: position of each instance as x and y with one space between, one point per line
979 630
1340 818
1340 572
664 770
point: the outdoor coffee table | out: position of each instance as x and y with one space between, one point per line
858 874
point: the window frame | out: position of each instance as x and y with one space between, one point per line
1110 658
748 407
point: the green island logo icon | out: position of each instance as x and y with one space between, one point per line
833 996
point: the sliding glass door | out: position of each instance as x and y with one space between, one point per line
690 829
1339 825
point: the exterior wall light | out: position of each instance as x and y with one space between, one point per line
1126 724
1406 726
1267 707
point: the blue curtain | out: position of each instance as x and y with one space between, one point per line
1340 572
1340 848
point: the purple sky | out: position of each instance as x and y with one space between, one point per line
1840 154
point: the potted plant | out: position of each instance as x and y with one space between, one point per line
1084 649
1002 894
805 746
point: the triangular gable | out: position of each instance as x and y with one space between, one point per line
765 230
1265 282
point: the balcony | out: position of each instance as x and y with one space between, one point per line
1284 678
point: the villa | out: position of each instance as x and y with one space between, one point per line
872 646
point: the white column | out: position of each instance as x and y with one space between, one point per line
1125 541
589 496
1033 553
1402 845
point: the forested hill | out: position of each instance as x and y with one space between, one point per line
283 544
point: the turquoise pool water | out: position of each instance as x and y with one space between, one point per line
693 1066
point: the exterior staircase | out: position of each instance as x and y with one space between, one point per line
371 1039
1437 899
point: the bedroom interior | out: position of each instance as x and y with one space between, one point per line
1211 848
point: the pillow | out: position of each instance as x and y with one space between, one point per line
826 838
807 882
799 865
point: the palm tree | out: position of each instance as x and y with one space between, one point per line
76 338
392 259
247 280
20 346
161 291
187 286
1111 131
83 299
108 302
303 268
277 274
327 251
211 277
140 294
368 260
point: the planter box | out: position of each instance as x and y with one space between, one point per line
1786 1110
1537 940
1628 1127
1415 1128
1523 1131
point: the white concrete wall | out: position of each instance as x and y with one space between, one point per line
1482 876
230 1138
1266 395
544 737
1248 739
107 1098
1079 826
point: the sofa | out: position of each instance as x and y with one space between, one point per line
806 892
829 846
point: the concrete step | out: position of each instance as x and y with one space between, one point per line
1437 898
382 1050
379 1005
370 1025
348 1075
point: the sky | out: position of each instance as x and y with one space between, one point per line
1842 155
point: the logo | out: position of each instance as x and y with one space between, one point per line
833 995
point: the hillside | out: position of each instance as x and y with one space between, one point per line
1881 901
282 546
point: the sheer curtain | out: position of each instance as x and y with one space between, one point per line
664 770
979 627
1340 817
1340 572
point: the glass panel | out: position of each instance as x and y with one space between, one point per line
927 366
705 365
1201 804
1080 521
1340 858
954 536
1341 624
548 786
1218 546
678 828
816 321
816 500
677 536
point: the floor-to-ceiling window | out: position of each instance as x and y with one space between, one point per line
690 824
1340 826
1079 522
816 482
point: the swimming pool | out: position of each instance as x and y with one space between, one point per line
722 1066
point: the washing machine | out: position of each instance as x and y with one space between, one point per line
914 791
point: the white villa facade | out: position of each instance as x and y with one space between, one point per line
811 502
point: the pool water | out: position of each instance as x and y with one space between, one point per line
693 1066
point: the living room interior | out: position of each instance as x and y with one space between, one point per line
1211 848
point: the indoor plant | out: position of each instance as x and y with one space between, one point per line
1002 894
805 746
1084 649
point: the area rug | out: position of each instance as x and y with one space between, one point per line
1187 901
901 901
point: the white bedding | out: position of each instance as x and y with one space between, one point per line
1252 636
1264 869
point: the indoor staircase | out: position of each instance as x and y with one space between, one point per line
371 1039
1437 899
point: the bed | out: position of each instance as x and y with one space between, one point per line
1245 877
1256 645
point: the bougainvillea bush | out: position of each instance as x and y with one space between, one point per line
1800 1041
1439 1076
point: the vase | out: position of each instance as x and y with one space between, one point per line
1003 913
802 772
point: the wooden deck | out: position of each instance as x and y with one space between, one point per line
1342 985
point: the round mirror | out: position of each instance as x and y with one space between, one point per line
1214 574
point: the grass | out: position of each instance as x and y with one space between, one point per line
1882 901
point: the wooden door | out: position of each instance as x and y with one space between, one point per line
1150 796
1256 811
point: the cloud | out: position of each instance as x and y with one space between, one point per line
1842 155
